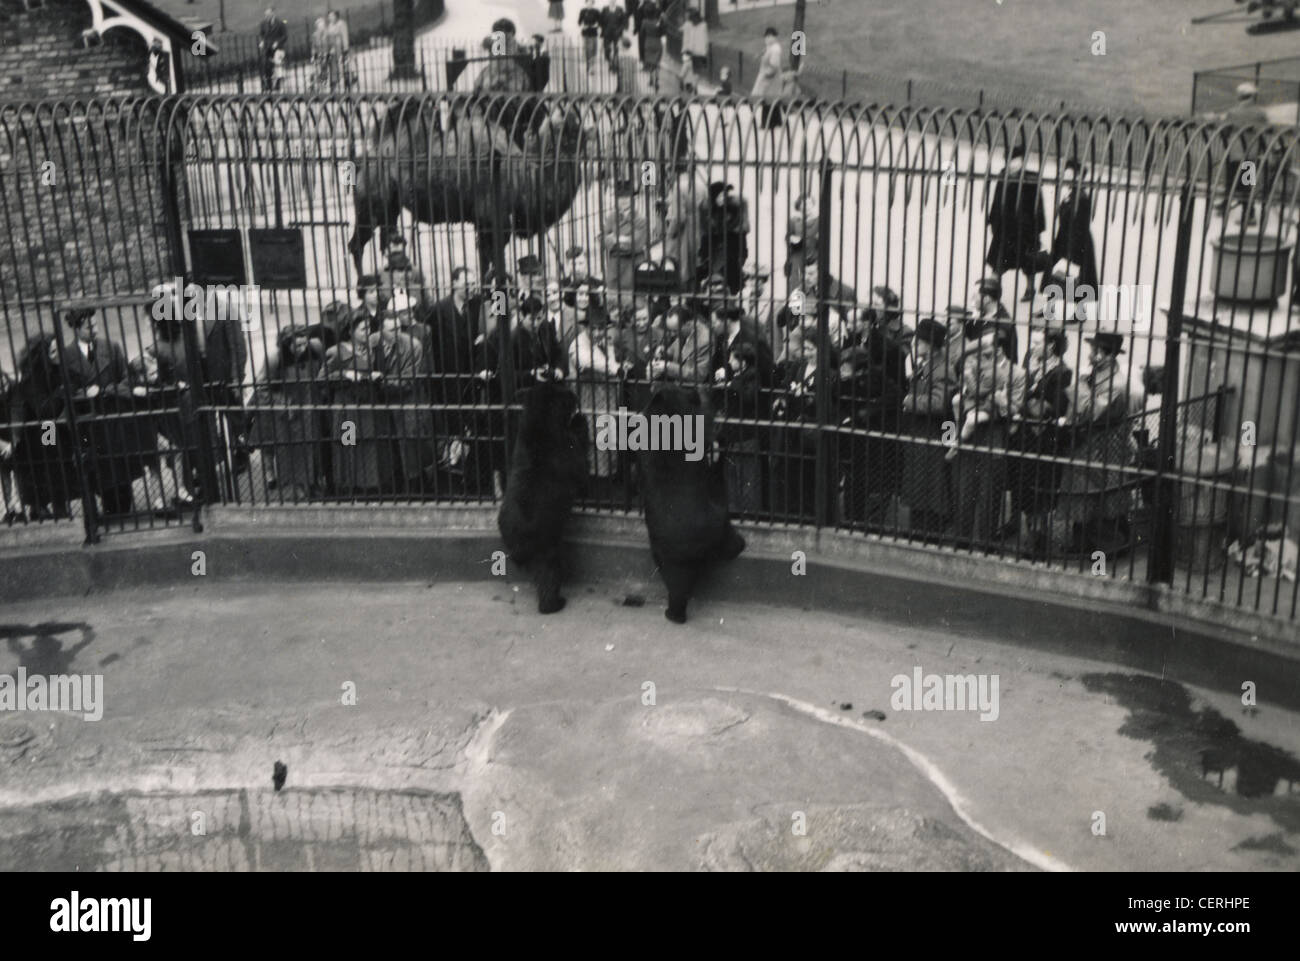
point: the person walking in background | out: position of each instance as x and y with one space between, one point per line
695 40
612 24
272 36
652 41
1017 221
770 84
1073 240
589 26
555 11
337 52
724 241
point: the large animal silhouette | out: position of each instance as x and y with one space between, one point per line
510 166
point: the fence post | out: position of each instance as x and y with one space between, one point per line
844 85
825 463
1160 568
909 91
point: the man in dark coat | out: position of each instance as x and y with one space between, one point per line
116 448
1073 240
612 24
1017 221
724 239
454 322
272 35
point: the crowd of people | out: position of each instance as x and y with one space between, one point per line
401 394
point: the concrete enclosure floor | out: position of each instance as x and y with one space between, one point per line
483 735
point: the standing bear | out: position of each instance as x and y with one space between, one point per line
548 472
685 502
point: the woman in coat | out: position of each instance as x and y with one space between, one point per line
287 421
405 428
597 376
1016 222
652 43
353 430
926 407
772 82
1073 240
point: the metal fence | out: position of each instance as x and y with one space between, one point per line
1128 410
864 87
1214 92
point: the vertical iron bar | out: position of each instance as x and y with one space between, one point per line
1160 569
825 422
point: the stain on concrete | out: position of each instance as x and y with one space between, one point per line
321 829
1201 752
1271 843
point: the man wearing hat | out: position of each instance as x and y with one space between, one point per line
626 241
529 269
116 449
1016 221
1100 434
399 273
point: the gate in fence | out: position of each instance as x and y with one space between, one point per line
1047 340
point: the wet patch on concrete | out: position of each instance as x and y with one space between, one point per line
320 829
850 838
1203 753
1272 843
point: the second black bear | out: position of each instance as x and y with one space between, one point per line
685 504
548 472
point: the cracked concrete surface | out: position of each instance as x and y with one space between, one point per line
602 738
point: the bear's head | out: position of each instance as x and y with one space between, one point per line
672 399
550 411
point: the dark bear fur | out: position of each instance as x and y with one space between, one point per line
685 507
548 472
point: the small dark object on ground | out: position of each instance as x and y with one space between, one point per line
874 715
634 600
846 705
278 775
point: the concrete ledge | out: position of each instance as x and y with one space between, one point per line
966 595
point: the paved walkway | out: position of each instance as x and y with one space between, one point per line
606 737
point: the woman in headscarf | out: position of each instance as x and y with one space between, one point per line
287 421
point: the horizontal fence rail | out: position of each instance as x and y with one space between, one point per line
1052 340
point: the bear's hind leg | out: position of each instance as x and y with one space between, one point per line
680 581
547 575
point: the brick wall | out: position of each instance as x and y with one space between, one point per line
40 56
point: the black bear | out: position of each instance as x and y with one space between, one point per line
548 472
685 498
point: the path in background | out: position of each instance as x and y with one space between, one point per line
1035 47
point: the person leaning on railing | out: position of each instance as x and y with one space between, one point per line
1095 497
927 406
287 422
